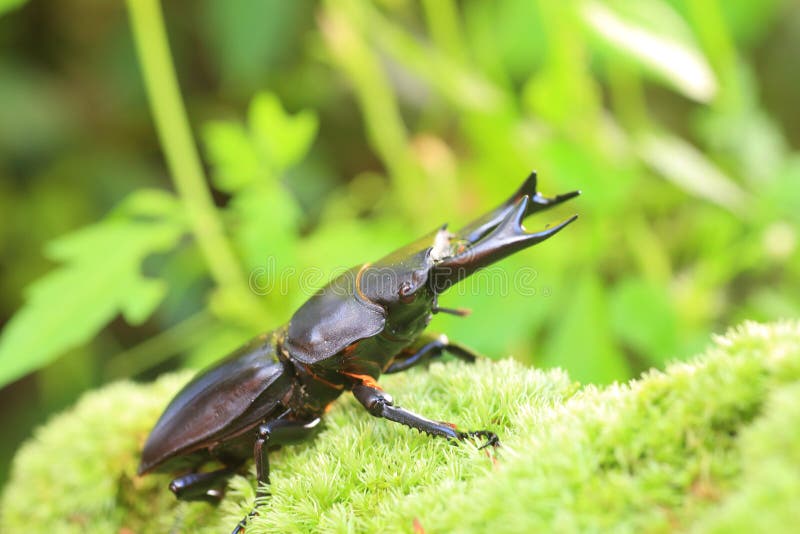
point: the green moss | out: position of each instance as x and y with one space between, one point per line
712 445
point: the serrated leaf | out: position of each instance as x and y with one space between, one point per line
143 300
264 215
233 155
267 219
111 238
653 35
150 202
282 139
101 277
273 142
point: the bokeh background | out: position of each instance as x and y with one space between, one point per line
331 133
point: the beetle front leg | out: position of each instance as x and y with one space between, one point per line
427 348
380 404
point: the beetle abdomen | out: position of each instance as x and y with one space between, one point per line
218 402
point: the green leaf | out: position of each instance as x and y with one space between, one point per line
280 138
686 167
273 142
267 220
233 156
101 277
751 140
655 37
263 214
143 300
9 5
151 203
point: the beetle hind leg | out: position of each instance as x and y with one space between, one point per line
208 486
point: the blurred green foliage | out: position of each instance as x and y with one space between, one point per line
334 132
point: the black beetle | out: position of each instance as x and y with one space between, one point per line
364 323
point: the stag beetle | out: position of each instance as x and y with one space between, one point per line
366 322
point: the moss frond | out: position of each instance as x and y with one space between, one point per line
707 445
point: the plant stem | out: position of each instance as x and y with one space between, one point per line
386 130
718 44
627 97
179 338
442 18
176 140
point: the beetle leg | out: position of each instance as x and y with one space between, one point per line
209 486
280 431
433 347
380 404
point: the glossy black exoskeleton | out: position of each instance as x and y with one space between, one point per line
367 322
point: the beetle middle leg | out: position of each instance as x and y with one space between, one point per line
280 431
427 348
380 404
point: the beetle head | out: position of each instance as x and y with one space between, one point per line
470 254
410 278
399 281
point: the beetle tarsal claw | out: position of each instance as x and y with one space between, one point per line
491 438
240 526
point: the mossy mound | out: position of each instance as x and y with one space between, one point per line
711 445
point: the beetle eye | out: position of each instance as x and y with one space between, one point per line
406 295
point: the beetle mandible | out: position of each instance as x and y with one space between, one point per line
366 322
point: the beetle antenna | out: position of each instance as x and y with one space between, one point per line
460 312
